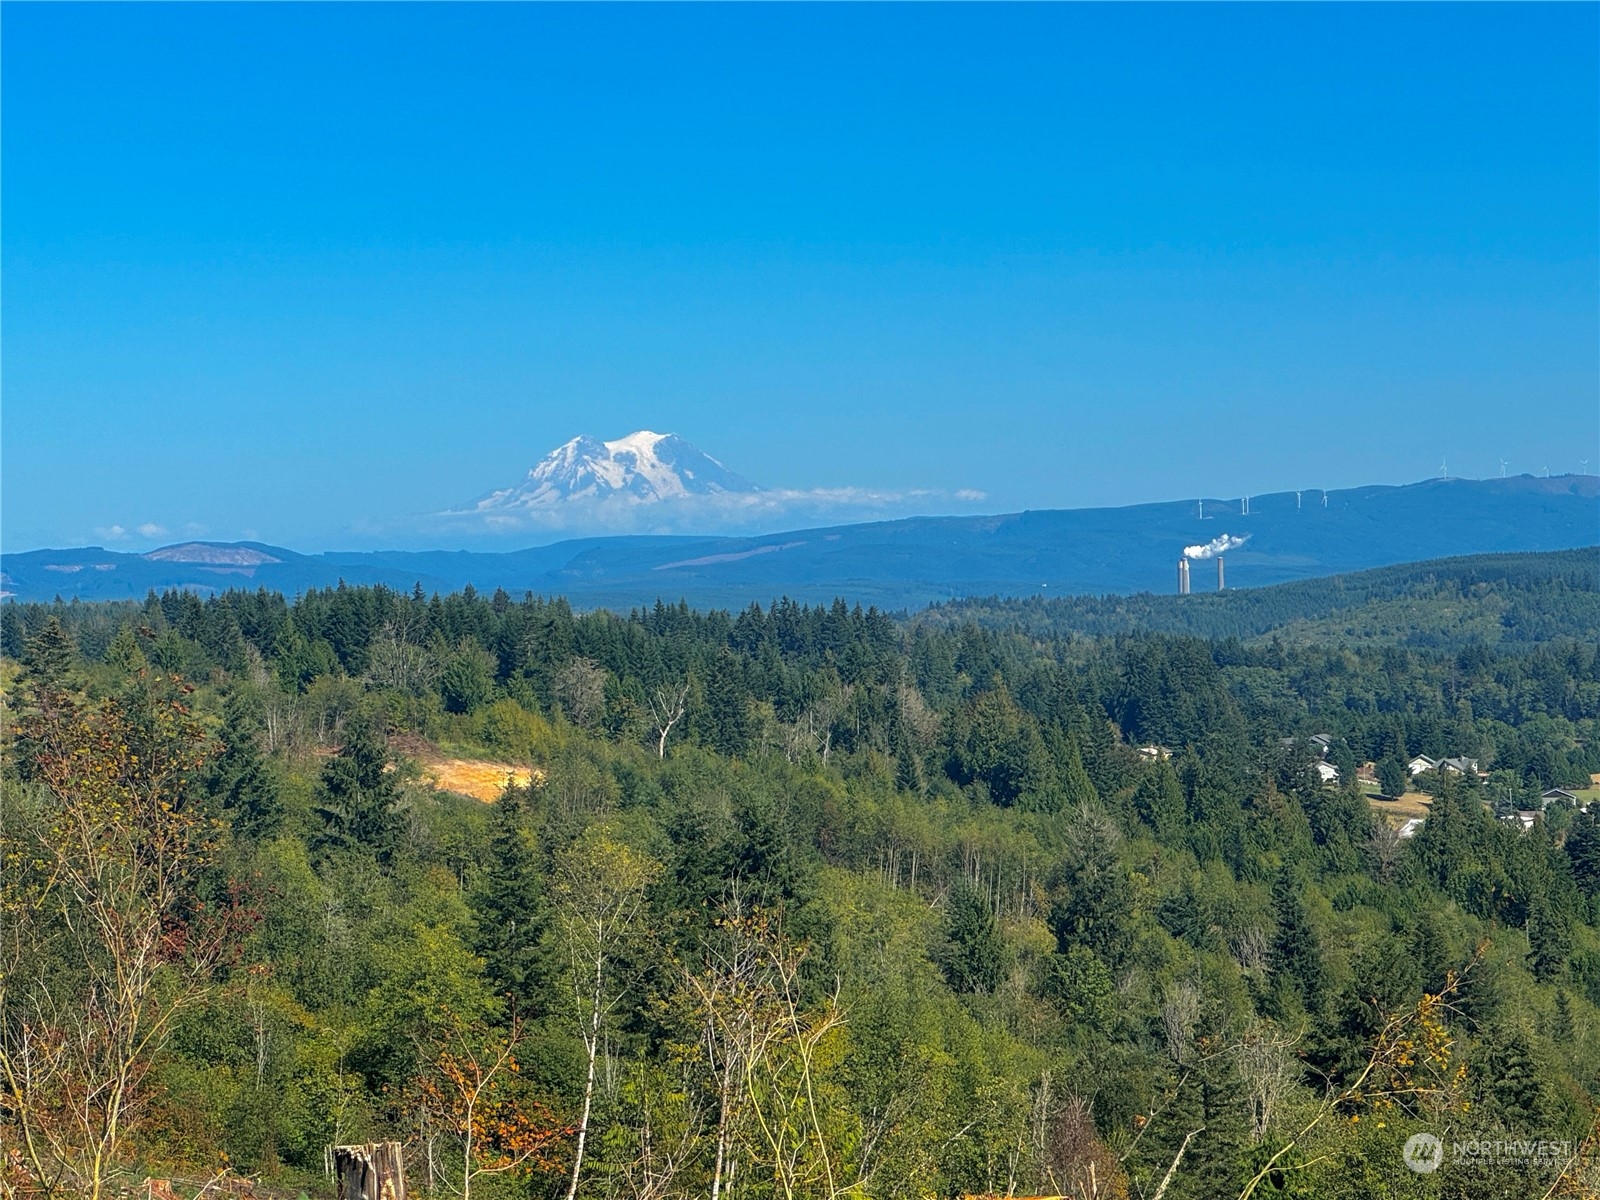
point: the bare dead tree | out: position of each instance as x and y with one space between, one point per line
1180 1011
599 893
1270 1071
668 704
399 658
580 686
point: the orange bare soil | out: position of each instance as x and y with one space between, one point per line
475 777
480 778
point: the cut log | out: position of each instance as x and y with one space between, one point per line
375 1171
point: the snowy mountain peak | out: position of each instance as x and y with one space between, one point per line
641 468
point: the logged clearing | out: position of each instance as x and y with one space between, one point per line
477 778
1411 804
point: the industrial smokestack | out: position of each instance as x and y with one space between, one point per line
1220 584
1183 577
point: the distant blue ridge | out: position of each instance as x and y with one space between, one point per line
906 563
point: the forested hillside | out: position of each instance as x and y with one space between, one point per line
799 901
1447 603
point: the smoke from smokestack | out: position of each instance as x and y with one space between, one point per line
1216 546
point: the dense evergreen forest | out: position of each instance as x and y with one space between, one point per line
1499 599
802 901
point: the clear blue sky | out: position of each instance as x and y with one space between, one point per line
286 270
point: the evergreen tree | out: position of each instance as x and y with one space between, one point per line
241 778
974 955
1297 961
1549 938
1583 849
1093 893
1510 1074
124 653
357 796
511 916
1159 802
1076 789
467 682
1393 778
50 653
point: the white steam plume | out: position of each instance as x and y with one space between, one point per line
1216 546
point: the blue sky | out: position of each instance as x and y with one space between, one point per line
296 271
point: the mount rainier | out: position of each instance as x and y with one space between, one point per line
642 468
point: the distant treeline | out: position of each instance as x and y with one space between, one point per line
1506 599
756 677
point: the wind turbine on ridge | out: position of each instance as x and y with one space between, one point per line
1503 466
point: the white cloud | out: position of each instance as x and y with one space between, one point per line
113 533
725 513
151 530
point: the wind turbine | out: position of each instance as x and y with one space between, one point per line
1584 463
1503 466
1444 468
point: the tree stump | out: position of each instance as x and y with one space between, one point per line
371 1172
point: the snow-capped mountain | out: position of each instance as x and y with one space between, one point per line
642 468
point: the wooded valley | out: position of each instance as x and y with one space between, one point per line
994 899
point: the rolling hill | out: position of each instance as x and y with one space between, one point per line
906 563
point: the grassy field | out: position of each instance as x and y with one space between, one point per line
1411 804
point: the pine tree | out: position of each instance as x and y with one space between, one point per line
357 797
1076 789
1510 1073
241 777
974 957
511 914
124 653
1583 848
1549 938
50 653
1093 893
1296 949
1392 776
1159 801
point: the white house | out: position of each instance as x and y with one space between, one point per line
1421 763
1409 829
1326 772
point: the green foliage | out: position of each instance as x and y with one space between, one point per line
356 797
975 954
1050 953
